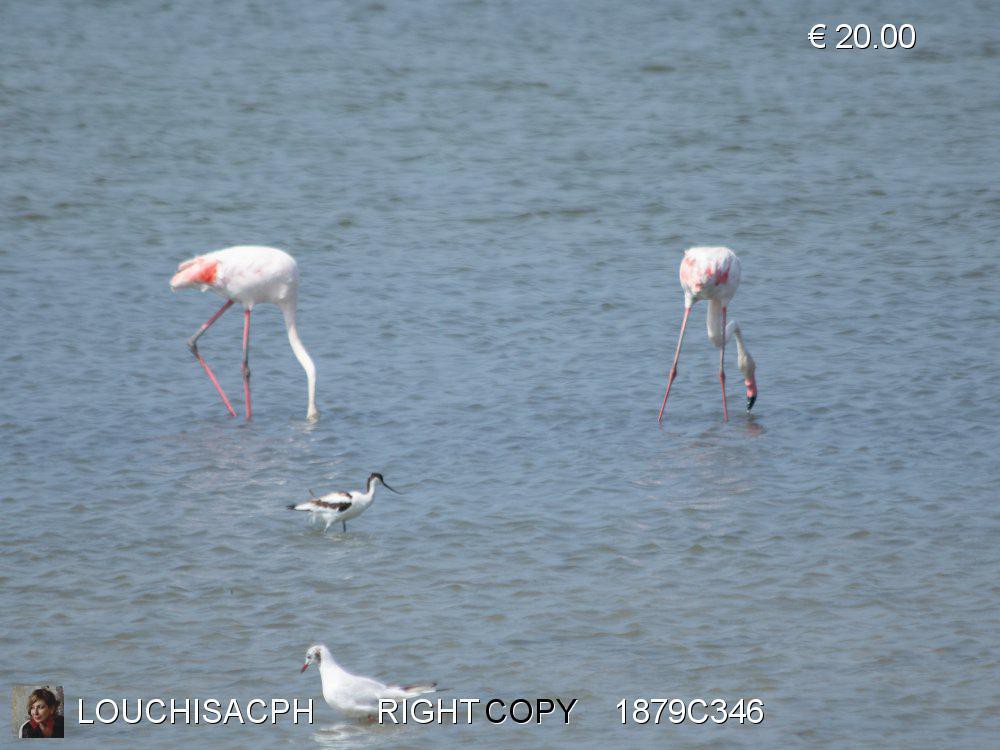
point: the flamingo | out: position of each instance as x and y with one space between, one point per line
713 274
248 274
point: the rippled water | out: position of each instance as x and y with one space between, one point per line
488 202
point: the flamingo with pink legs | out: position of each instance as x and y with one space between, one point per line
713 274
248 275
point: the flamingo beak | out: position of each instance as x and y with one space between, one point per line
304 667
751 393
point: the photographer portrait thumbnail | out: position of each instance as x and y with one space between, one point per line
42 709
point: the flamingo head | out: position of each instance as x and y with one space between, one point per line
749 369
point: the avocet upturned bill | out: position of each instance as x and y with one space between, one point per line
342 506
248 275
352 694
713 274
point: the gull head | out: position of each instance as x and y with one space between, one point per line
313 655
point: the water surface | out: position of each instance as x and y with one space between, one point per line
488 203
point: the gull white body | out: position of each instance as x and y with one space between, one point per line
352 694
713 274
249 275
342 506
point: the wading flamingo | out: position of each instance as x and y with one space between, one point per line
713 274
248 275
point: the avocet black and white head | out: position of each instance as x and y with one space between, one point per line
376 477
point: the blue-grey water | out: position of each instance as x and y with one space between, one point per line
488 202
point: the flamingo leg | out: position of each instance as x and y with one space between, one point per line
673 369
193 346
722 368
246 360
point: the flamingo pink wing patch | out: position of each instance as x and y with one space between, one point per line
696 277
722 274
689 273
197 271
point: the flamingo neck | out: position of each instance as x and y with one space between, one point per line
746 363
288 308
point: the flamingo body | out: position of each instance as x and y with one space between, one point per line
246 274
710 273
249 274
713 274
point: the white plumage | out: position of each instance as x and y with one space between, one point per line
342 506
352 694
713 274
248 274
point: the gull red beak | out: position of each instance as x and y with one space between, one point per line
304 667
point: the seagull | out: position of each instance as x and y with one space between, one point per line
352 694
342 506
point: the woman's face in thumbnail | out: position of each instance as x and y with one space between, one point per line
40 711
